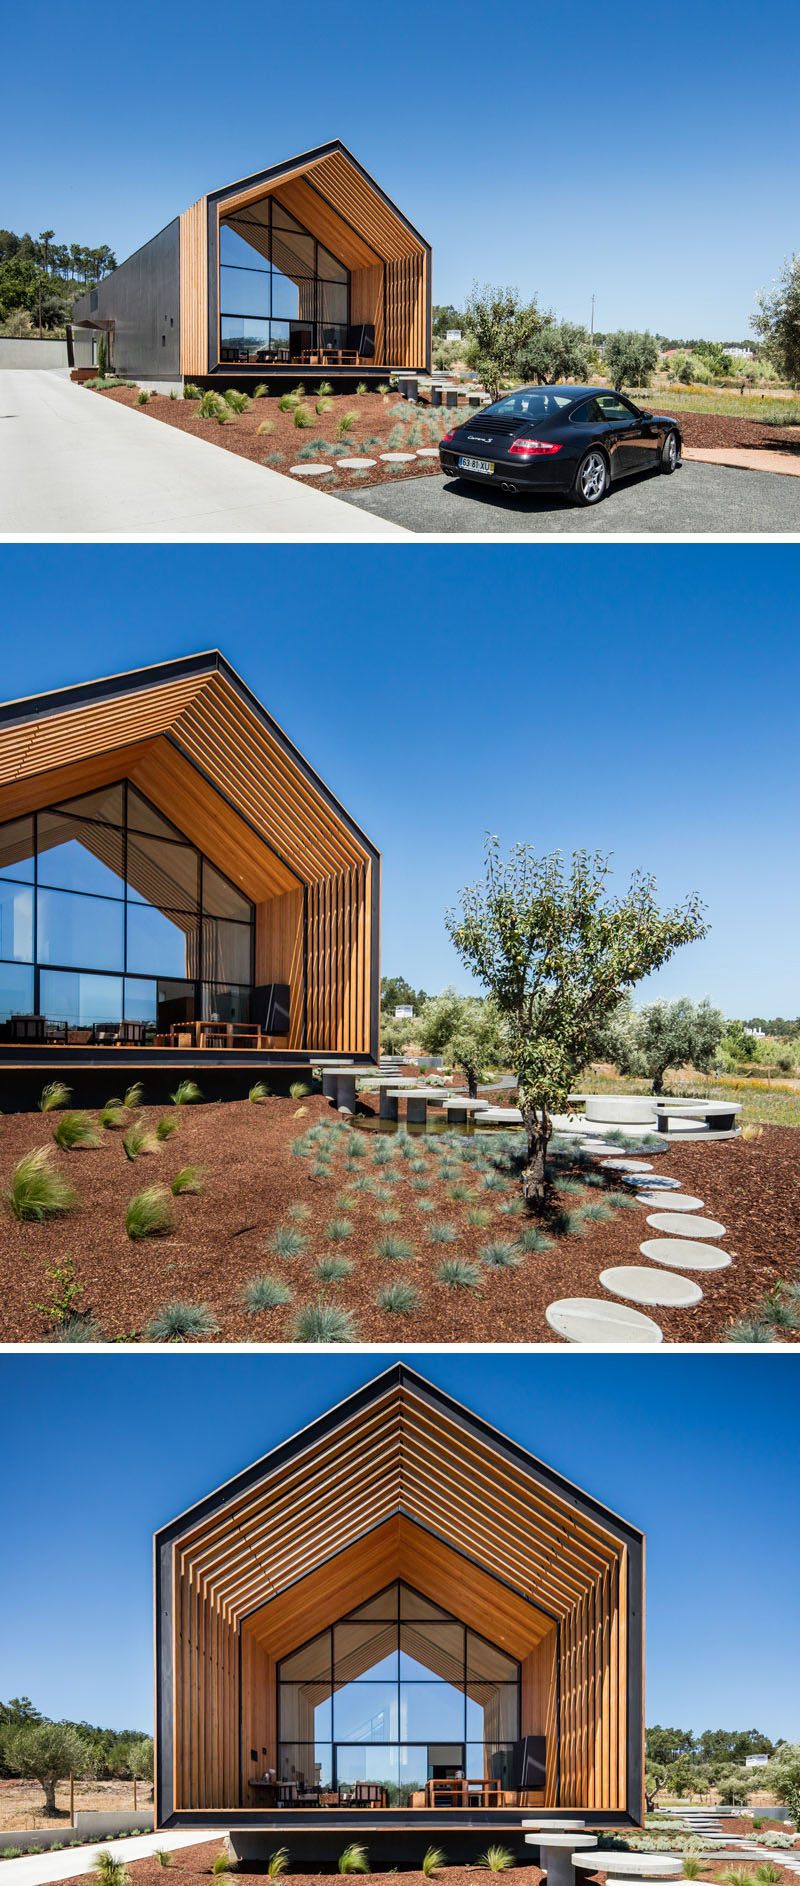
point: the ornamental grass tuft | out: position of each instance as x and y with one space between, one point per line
265 1293
459 1274
398 1298
323 1322
189 1179
76 1130
185 1094
54 1096
149 1213
36 1191
176 1321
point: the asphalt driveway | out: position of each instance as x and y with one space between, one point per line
697 498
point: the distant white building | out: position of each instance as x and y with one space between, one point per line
404 1012
756 1761
453 334
758 1035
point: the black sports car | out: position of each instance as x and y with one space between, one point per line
574 439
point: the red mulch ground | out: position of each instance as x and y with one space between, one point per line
720 429
221 1238
376 416
194 1865
740 1825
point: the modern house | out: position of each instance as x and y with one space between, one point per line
306 265
397 1622
177 885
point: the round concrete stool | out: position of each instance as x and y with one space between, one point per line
555 1854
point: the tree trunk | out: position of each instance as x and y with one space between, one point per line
658 1081
49 1796
536 1121
472 1082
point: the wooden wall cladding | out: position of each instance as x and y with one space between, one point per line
280 952
194 288
339 958
366 303
400 1491
407 338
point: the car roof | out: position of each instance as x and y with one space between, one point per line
558 386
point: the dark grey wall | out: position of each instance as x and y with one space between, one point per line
142 298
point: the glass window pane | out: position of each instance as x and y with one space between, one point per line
285 297
365 1712
226 1002
144 818
383 1605
244 331
493 1712
161 942
413 1605
279 333
329 268
106 804
226 951
365 1649
312 1660
221 899
333 303
162 873
141 1001
243 291
305 1712
84 931
16 922
81 1001
235 249
431 1712
16 991
367 1764
16 850
305 1763
174 1003
80 855
412 1772
429 1648
486 1661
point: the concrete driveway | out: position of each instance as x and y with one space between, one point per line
697 498
74 464
37 1869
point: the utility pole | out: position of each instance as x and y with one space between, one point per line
40 307
591 331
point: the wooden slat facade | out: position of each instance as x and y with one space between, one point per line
223 773
406 1486
194 288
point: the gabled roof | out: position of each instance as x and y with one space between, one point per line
397 1452
171 724
328 185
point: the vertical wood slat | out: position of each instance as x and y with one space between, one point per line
194 287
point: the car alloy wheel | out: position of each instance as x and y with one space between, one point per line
669 455
592 478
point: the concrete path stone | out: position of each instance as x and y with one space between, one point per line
591 1320
355 464
310 471
680 1225
639 1285
626 1165
685 1253
656 1182
673 1201
398 458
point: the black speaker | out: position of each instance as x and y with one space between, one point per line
271 1008
530 1762
361 340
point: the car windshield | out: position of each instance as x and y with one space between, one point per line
538 402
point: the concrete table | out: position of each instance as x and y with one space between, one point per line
417 1100
556 1854
330 1077
459 1109
505 1116
712 1116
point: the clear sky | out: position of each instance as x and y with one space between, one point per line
638 699
643 153
699 1451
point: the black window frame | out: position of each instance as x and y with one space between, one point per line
315 323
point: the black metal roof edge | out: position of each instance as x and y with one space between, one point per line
401 1374
317 151
136 680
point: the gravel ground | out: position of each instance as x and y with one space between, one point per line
698 498
222 1238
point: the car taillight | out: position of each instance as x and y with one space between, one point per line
531 448
448 437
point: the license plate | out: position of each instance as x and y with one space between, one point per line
483 465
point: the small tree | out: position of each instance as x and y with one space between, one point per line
778 320
782 1777
500 327
668 1034
631 358
465 1028
655 1778
141 1759
46 1752
101 356
557 351
557 959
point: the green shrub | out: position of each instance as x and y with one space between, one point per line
500 1255
166 1128
338 1229
459 1274
54 1096
189 1179
190 391
238 402
322 405
138 1140
36 1191
354 1859
692 1867
163 1856
112 1114
75 1130
142 397
767 1873
397 1297
323 1322
185 1093
331 1270
265 1293
211 405
149 1213
112 1872
178 1320
259 1091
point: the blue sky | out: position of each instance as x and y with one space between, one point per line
635 699
698 1451
643 154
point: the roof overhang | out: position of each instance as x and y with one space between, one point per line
328 184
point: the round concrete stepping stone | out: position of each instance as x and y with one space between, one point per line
685 1253
671 1201
427 451
589 1319
398 458
653 1183
627 1165
355 464
310 471
639 1285
680 1225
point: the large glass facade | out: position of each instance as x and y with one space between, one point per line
108 916
281 293
398 1693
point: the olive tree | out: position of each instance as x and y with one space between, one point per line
465 1028
499 326
141 1760
665 1034
556 955
777 321
46 1752
630 358
782 1777
559 350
